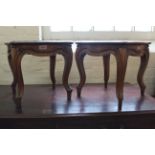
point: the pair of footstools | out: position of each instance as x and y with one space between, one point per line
121 51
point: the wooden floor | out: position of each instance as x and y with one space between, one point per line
44 108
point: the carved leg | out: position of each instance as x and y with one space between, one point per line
121 57
79 55
142 68
52 69
68 58
12 55
20 82
106 60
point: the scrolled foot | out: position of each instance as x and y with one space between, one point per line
13 87
78 92
53 86
120 104
106 85
69 95
143 91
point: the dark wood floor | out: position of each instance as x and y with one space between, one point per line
44 108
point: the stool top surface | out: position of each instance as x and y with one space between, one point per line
38 42
107 42
113 42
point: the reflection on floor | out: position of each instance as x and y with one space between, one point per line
40 101
95 99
